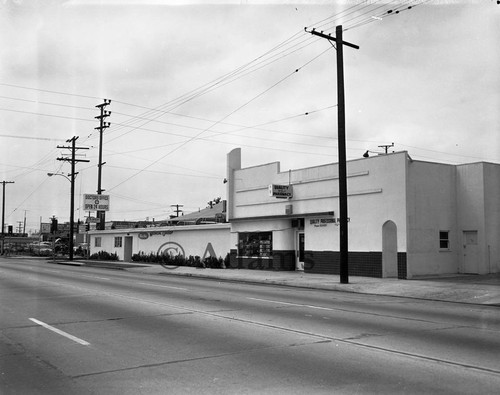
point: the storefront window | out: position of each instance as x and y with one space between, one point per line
255 244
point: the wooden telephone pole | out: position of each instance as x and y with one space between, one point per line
3 213
344 263
73 174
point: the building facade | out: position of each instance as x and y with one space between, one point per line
406 218
195 240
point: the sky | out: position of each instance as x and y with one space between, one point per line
189 81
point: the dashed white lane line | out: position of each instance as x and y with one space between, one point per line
60 332
164 286
292 304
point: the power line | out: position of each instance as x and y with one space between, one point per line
50 91
186 98
225 117
45 103
28 137
47 115
391 11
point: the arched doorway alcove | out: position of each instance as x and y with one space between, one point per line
389 249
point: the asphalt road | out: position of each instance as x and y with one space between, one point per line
80 330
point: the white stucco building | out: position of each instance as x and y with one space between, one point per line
406 218
195 240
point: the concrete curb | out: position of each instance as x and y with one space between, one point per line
472 289
456 288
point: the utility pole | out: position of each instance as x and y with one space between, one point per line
386 147
102 125
73 174
344 249
3 213
177 209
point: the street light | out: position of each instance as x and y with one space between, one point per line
72 208
59 174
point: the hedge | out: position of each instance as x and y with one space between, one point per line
179 260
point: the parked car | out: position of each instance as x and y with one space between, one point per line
41 248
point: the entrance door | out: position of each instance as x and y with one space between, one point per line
127 249
299 251
471 252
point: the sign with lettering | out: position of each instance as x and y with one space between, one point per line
281 191
95 202
45 228
321 222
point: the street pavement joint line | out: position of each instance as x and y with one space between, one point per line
344 310
131 317
60 332
164 286
419 356
99 278
158 364
293 304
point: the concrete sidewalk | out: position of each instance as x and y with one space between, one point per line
478 289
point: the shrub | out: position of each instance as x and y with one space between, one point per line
104 256
179 260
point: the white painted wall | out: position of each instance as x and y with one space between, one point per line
471 210
376 189
193 239
431 207
492 221
478 191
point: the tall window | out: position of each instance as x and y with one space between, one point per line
97 241
444 240
118 242
258 244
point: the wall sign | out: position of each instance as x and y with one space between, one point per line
321 222
145 235
281 191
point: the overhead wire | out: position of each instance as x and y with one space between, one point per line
279 46
219 82
390 11
215 83
238 70
214 124
220 121
338 15
50 91
185 98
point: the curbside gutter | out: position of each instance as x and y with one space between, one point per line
472 289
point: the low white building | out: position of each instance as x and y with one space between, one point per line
191 240
406 218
